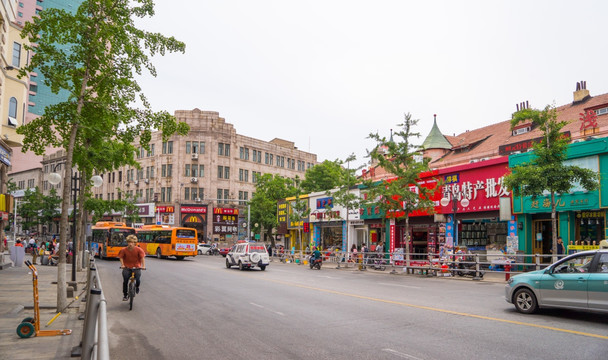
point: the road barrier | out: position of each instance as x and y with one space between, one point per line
94 343
430 264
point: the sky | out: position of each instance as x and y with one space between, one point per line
326 74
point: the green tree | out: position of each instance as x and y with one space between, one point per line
323 176
94 54
269 190
546 170
126 206
402 195
36 209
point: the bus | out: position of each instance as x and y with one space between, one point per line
163 241
109 237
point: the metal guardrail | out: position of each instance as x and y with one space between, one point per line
430 263
94 343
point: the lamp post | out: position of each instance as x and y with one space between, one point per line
445 202
54 179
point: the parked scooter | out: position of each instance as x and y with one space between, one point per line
378 262
315 262
464 268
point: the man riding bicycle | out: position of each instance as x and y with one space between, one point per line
131 257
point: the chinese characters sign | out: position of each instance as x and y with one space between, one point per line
225 220
483 189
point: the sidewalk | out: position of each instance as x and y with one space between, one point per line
17 303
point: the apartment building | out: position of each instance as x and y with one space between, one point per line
204 179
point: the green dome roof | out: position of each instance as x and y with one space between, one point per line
435 139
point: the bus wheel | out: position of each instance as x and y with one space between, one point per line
158 254
179 257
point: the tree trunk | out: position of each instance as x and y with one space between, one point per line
553 228
80 230
63 226
407 240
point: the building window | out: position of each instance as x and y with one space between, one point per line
243 196
220 172
16 54
201 170
151 151
187 173
223 149
12 112
188 147
194 193
201 193
254 176
243 175
257 156
271 159
194 170
601 111
244 153
187 194
168 147
198 148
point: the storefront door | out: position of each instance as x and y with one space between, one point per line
542 238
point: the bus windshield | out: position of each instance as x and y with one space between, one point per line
118 237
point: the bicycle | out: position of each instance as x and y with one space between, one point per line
131 289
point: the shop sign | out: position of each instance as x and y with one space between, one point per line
591 214
523 146
392 236
564 202
282 217
145 210
167 219
165 209
356 222
326 202
225 221
483 187
5 157
188 209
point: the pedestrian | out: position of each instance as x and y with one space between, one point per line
353 250
270 251
34 249
561 249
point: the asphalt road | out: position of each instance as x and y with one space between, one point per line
198 309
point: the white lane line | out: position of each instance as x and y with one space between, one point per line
405 286
401 355
263 307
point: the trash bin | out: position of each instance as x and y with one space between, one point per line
44 259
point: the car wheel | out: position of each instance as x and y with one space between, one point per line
158 254
263 267
180 257
525 301
241 266
228 265
200 252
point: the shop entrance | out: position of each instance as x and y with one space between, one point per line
542 238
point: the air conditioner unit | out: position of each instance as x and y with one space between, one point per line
136 182
194 156
147 181
194 180
197 199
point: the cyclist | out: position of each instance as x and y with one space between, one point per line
131 257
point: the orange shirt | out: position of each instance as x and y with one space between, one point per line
132 258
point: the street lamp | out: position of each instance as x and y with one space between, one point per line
54 179
445 202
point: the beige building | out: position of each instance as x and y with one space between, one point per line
203 179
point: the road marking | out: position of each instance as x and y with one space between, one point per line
258 305
405 286
400 354
451 312
263 307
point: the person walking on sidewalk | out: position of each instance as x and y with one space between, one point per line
131 257
34 247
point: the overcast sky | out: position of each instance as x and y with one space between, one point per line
325 74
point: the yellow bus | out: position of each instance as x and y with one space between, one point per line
163 240
109 237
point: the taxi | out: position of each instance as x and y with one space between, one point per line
578 281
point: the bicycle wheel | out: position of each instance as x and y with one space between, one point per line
131 294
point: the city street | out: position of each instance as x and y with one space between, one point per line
198 309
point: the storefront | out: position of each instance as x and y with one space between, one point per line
470 202
329 226
298 226
581 214
195 216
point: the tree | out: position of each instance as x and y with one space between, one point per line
323 176
546 170
269 190
94 55
127 207
37 209
402 195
